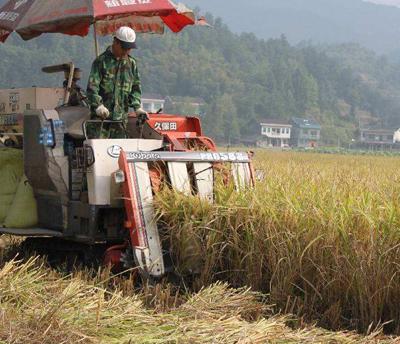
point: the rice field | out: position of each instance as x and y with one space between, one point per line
320 235
40 306
311 255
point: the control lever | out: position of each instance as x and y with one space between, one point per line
141 120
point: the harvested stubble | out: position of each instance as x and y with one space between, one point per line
39 306
321 236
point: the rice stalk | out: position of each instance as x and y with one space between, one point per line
56 309
321 236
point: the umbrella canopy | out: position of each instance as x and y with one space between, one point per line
31 18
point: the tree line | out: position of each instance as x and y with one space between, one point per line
243 80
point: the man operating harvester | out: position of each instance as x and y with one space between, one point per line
114 87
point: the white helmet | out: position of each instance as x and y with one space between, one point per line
127 37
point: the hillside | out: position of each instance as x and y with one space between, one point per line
321 21
366 22
242 78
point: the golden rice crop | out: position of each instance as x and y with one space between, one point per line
38 305
320 235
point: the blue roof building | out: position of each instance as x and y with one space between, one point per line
306 133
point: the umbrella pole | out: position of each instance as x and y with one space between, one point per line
96 43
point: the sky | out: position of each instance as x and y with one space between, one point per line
387 2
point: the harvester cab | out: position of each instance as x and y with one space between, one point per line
96 194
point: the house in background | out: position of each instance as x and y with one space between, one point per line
305 133
377 138
275 133
152 102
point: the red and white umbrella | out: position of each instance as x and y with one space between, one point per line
31 18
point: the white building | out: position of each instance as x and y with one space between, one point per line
396 136
275 134
152 102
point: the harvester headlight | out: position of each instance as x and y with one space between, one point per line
119 177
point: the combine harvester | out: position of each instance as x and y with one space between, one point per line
94 195
97 194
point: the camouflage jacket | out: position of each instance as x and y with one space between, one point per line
115 84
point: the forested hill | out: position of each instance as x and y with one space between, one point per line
243 79
321 21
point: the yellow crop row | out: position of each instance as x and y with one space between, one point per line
320 235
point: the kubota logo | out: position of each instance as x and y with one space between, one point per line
19 3
114 151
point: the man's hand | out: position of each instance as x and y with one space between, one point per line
141 114
102 112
